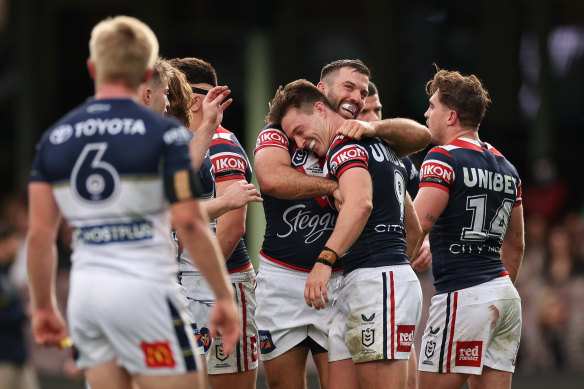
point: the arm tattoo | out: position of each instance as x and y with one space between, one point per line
430 218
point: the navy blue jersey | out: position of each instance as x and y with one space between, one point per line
412 177
230 162
296 230
113 166
483 188
382 241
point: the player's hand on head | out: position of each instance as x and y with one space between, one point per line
49 328
356 129
315 291
423 261
224 320
241 193
214 104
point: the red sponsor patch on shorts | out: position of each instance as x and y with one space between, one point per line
158 354
405 338
469 353
253 340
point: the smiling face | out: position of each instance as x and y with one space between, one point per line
346 91
309 131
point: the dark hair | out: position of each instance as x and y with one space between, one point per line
463 94
196 70
333 67
300 94
372 89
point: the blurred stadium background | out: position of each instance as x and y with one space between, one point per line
528 53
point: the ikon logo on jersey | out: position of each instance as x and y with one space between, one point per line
225 162
348 153
469 353
272 137
436 169
266 343
158 354
405 338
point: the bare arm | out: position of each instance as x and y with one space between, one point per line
414 235
429 204
231 225
357 191
47 323
233 196
513 243
213 107
193 229
404 136
277 178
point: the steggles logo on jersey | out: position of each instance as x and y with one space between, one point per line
367 337
469 353
311 226
157 354
405 337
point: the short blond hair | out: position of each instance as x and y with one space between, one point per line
123 49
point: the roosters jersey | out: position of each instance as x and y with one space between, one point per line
483 188
412 177
230 162
296 230
382 241
112 165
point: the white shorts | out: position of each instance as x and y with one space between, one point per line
139 323
245 355
473 327
283 318
378 311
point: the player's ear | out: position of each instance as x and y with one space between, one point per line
91 68
146 95
320 108
453 117
322 86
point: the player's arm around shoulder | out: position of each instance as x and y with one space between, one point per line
279 179
514 243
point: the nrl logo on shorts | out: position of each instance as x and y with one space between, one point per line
219 353
430 348
367 337
299 158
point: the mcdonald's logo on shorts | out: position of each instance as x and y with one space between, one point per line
158 354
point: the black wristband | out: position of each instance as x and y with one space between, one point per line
324 261
325 248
